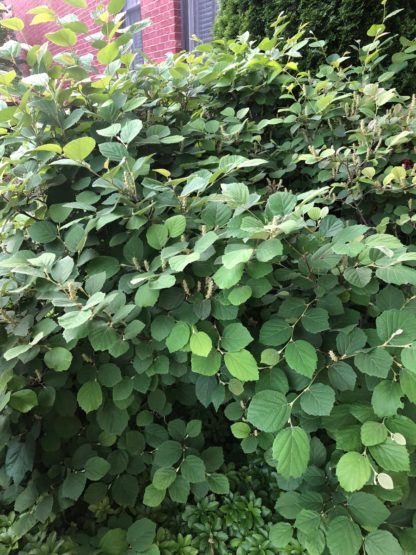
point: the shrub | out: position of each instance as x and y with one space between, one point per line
208 302
340 22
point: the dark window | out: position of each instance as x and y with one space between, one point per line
133 15
199 18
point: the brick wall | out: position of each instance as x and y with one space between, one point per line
34 34
164 35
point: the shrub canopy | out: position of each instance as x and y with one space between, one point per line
208 285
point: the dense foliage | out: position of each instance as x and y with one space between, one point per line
208 309
340 22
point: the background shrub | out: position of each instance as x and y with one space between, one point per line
208 302
341 23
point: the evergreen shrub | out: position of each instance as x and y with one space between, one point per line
208 308
341 23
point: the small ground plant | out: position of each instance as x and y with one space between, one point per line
208 307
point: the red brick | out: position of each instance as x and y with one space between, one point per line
164 35
166 26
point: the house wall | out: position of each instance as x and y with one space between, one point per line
164 35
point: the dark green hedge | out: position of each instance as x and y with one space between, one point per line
339 22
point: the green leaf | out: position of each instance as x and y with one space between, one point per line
96 468
348 438
168 453
153 497
275 332
114 152
161 327
79 149
315 320
193 428
77 3
386 398
157 236
43 232
145 296
13 23
110 131
75 238
291 450
391 456
307 521
225 279
23 401
114 542
280 534
218 483
15 352
270 357
140 534
176 225
301 357
58 358
62 269
164 477
318 400
397 275
102 336
178 337
367 510
115 6
280 204
125 490
242 365
239 295
180 262
343 536
201 344
353 471
172 139
376 29
235 337
108 54
408 384
73 485
403 425
179 490
267 250
268 411
373 433
207 366
342 376
375 363
381 542
350 343
358 277
129 131
408 357
90 396
63 37
193 469
396 327
133 329
240 430
236 254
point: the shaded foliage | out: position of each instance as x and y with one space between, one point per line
208 300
